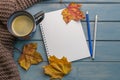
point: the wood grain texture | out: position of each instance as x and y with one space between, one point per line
107 61
104 11
20 44
105 50
80 71
104 29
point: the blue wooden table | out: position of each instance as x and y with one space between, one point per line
106 65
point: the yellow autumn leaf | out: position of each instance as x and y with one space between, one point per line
57 68
29 56
24 63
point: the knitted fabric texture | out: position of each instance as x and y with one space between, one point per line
8 68
7 7
6 38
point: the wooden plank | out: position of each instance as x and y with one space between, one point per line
101 9
105 50
80 71
106 12
104 28
95 71
107 62
19 45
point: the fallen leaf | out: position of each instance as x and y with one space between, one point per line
57 68
72 12
29 56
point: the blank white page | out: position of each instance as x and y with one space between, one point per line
63 39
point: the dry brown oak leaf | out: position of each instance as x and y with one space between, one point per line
29 56
57 68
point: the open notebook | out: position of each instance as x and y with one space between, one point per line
63 39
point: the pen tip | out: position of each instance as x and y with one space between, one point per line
92 58
86 12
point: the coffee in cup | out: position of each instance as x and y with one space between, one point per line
23 25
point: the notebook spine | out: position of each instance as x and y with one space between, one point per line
44 39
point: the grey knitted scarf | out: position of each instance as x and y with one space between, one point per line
8 68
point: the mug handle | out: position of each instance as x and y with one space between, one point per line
39 17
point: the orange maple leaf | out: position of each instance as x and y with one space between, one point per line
72 12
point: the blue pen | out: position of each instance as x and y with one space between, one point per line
89 34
